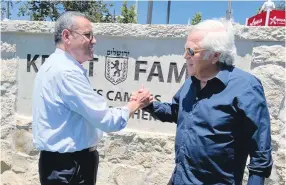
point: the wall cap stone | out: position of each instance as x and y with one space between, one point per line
145 30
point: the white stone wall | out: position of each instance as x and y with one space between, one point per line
144 152
269 65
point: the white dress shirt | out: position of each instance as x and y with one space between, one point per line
68 115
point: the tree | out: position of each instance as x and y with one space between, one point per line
40 10
280 5
96 11
127 16
197 18
258 11
5 9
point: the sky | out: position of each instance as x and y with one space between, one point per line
181 11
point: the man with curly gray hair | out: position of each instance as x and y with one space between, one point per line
221 114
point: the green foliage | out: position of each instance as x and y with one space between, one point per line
96 11
127 15
39 10
4 6
197 18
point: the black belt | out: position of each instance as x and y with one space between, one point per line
91 149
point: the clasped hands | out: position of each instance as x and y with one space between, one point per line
140 99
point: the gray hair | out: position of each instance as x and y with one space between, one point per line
65 21
219 38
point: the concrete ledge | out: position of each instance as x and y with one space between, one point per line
146 31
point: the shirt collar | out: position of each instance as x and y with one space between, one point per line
222 75
58 50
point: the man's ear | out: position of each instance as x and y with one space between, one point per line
66 36
215 58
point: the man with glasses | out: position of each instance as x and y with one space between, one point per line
68 116
220 111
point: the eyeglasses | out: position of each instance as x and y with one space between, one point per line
89 35
192 52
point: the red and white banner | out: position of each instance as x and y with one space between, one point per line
272 18
257 20
277 18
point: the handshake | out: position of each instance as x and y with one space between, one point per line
139 99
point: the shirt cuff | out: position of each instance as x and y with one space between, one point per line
255 179
125 113
149 108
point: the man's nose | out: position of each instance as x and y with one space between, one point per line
186 55
93 41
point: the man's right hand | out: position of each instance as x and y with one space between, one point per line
139 100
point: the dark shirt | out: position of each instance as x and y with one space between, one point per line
217 128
